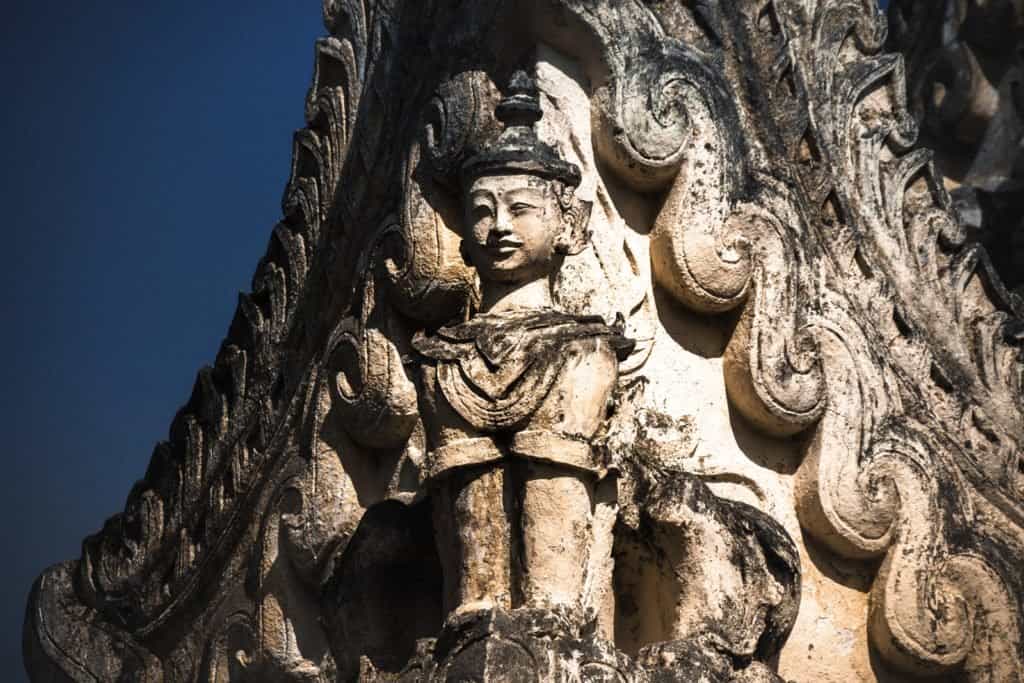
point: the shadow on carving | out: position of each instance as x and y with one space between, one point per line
704 336
386 591
778 454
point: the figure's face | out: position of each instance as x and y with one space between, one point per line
513 222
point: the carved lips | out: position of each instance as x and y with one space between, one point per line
503 247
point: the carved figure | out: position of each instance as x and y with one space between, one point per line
816 441
515 395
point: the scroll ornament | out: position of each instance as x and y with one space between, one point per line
357 412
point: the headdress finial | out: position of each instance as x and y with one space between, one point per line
518 149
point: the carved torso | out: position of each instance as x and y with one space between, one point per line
542 372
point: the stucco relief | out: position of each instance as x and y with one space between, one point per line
600 341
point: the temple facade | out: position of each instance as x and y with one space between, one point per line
602 340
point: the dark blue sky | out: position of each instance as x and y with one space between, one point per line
146 146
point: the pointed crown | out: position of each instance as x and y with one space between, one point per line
518 149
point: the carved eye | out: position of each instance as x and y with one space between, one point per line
480 212
520 208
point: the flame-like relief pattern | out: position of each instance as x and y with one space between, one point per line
184 519
914 457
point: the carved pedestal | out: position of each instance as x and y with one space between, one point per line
536 645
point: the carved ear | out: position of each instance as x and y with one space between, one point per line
575 221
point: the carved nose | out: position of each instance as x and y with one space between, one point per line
502 226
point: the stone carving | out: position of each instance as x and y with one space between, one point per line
600 341
964 73
515 395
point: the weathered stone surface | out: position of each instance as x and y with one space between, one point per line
600 341
964 79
